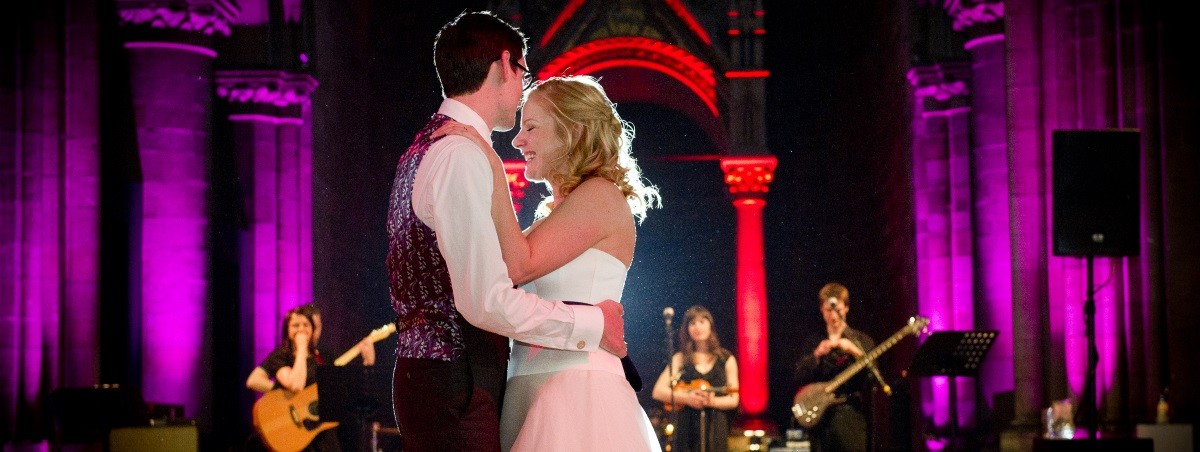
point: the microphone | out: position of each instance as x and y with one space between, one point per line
833 306
668 314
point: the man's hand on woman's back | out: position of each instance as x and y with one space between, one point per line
613 339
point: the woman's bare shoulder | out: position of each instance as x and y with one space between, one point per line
600 190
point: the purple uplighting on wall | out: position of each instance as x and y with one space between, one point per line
49 219
172 92
1068 293
992 256
942 189
273 145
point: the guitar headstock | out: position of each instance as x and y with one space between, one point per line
918 325
378 334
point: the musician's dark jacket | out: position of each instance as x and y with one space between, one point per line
810 369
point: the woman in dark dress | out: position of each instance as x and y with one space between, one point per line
701 384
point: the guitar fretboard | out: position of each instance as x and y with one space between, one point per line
915 325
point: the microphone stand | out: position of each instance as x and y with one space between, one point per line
674 378
874 370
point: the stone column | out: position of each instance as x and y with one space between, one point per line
982 23
49 211
748 169
942 192
1027 178
170 68
81 203
747 178
269 114
31 225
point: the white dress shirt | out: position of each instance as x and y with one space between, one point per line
452 194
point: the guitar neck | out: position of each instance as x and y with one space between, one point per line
375 336
867 358
346 357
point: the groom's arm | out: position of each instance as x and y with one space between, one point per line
452 194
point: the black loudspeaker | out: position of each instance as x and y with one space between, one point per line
1095 187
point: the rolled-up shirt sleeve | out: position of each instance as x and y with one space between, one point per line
452 195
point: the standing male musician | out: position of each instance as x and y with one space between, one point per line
844 425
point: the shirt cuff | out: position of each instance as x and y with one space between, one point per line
589 327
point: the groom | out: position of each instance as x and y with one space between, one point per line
453 298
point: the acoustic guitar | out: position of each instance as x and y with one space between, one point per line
698 384
288 421
811 401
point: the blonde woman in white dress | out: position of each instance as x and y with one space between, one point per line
579 248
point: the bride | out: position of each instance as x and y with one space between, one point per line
579 248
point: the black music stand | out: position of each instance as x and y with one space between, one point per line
356 396
952 354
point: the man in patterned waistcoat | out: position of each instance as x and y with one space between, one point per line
455 304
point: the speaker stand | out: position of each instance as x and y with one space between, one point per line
1088 405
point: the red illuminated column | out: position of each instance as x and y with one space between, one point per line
515 171
747 178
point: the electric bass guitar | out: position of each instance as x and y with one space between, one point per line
811 401
288 421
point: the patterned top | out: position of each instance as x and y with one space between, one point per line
427 322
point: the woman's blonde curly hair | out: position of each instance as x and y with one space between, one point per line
597 142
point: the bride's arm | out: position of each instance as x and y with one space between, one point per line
579 222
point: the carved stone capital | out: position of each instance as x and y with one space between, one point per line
944 91
969 13
748 175
941 86
268 88
200 16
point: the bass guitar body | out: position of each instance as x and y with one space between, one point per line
288 421
811 402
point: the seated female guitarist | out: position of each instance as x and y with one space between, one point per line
700 386
292 366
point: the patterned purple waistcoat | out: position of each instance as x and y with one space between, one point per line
427 324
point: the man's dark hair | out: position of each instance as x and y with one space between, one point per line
465 48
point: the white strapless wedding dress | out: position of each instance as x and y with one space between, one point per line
559 400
